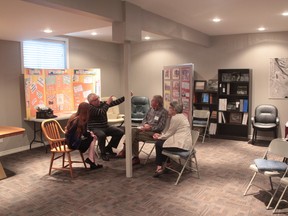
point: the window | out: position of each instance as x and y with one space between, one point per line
45 53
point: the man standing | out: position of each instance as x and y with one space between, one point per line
98 124
153 122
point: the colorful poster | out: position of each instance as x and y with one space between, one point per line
61 90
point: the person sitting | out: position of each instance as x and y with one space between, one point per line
153 122
98 124
77 136
177 138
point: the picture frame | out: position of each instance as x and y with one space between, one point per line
235 118
200 85
212 85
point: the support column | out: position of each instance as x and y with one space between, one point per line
127 93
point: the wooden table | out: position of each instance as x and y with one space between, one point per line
6 131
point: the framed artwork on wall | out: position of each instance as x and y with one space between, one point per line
200 85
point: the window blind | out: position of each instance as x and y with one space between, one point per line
48 54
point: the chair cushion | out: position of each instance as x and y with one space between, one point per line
182 154
265 125
270 165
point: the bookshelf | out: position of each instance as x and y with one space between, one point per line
206 98
234 103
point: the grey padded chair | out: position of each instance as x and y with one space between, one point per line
265 119
139 107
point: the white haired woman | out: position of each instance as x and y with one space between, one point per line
176 138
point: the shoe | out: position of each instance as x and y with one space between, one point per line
109 151
121 154
88 161
95 166
135 161
158 173
104 157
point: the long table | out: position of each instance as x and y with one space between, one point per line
37 127
6 131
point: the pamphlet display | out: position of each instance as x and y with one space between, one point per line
59 89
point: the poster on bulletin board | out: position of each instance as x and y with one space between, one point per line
59 89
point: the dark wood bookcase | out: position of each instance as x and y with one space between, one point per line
234 103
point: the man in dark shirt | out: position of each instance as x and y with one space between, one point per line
98 123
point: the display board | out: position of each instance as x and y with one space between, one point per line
178 86
59 89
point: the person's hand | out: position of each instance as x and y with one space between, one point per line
156 136
147 127
110 99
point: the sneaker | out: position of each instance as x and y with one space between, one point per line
135 161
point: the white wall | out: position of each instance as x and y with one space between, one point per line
236 51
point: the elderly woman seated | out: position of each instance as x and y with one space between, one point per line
177 138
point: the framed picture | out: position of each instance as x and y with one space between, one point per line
235 118
200 85
212 85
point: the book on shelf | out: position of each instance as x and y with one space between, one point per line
219 117
212 128
223 104
223 117
245 105
213 114
228 89
245 118
241 105
205 98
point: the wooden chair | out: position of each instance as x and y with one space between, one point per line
55 136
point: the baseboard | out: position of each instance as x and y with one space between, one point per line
20 149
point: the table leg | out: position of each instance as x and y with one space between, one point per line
2 172
35 134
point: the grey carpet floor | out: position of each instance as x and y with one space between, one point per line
224 175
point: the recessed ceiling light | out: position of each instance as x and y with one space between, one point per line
216 19
147 38
47 31
261 29
94 33
285 14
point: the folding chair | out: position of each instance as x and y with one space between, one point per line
55 136
201 120
283 183
278 149
189 158
150 151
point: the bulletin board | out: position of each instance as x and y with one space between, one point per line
178 85
85 81
59 89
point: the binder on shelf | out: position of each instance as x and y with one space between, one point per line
245 105
205 98
241 105
245 118
228 88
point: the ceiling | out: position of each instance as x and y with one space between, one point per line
21 20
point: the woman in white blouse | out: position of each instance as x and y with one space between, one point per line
176 138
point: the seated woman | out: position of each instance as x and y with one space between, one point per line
176 138
78 137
